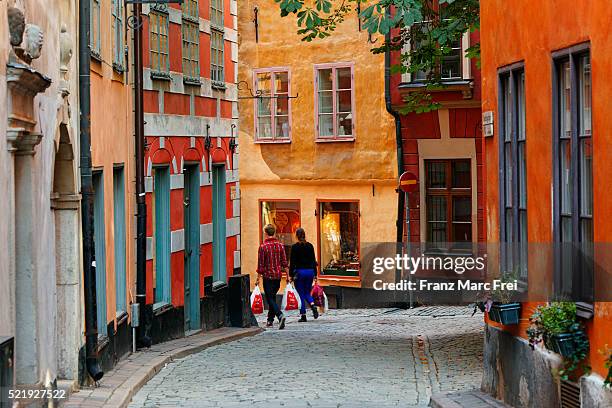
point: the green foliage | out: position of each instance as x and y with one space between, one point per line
505 296
607 351
434 29
555 319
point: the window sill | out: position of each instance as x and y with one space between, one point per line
118 68
332 140
465 86
272 141
95 55
218 85
338 278
161 307
192 81
163 76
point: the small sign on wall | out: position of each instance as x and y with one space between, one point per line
233 193
487 123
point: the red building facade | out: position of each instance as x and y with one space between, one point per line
191 174
443 148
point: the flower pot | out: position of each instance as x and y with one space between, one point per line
564 343
505 313
494 314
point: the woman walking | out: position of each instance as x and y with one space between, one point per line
302 269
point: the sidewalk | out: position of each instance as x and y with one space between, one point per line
465 399
119 385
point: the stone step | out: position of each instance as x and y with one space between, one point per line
465 399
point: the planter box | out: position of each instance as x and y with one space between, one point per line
564 343
505 313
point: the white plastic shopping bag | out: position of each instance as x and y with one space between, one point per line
291 299
325 303
257 301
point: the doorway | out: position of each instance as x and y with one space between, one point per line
191 202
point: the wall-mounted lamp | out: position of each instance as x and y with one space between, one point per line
232 142
207 140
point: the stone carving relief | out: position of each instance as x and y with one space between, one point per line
32 43
26 39
23 81
65 57
16 22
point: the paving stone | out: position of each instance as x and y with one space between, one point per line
347 358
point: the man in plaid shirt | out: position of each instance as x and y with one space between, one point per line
272 265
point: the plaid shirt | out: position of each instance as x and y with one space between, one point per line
272 260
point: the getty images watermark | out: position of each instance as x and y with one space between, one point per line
457 264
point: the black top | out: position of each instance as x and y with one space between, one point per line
302 257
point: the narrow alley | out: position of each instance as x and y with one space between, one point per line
346 358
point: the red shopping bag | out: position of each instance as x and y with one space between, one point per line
257 301
318 295
291 299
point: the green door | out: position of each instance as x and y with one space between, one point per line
219 236
191 203
100 251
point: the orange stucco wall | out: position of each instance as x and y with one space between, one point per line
364 169
112 143
523 31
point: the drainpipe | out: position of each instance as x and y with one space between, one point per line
87 192
398 139
141 207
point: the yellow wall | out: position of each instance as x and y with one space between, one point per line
112 142
376 223
305 169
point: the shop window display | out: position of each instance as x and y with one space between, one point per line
285 215
339 238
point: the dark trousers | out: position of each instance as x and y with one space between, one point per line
303 284
271 287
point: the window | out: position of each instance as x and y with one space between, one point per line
191 42
448 204
450 63
216 13
94 38
217 73
339 238
118 46
120 241
513 188
285 215
335 105
161 235
160 63
100 251
273 106
573 182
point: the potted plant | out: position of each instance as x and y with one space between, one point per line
501 309
556 326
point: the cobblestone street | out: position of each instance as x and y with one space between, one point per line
346 358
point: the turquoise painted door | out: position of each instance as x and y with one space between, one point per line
161 181
100 251
120 244
191 203
219 217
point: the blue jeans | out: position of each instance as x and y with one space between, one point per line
303 284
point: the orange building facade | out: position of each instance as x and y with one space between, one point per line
112 149
545 81
320 146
